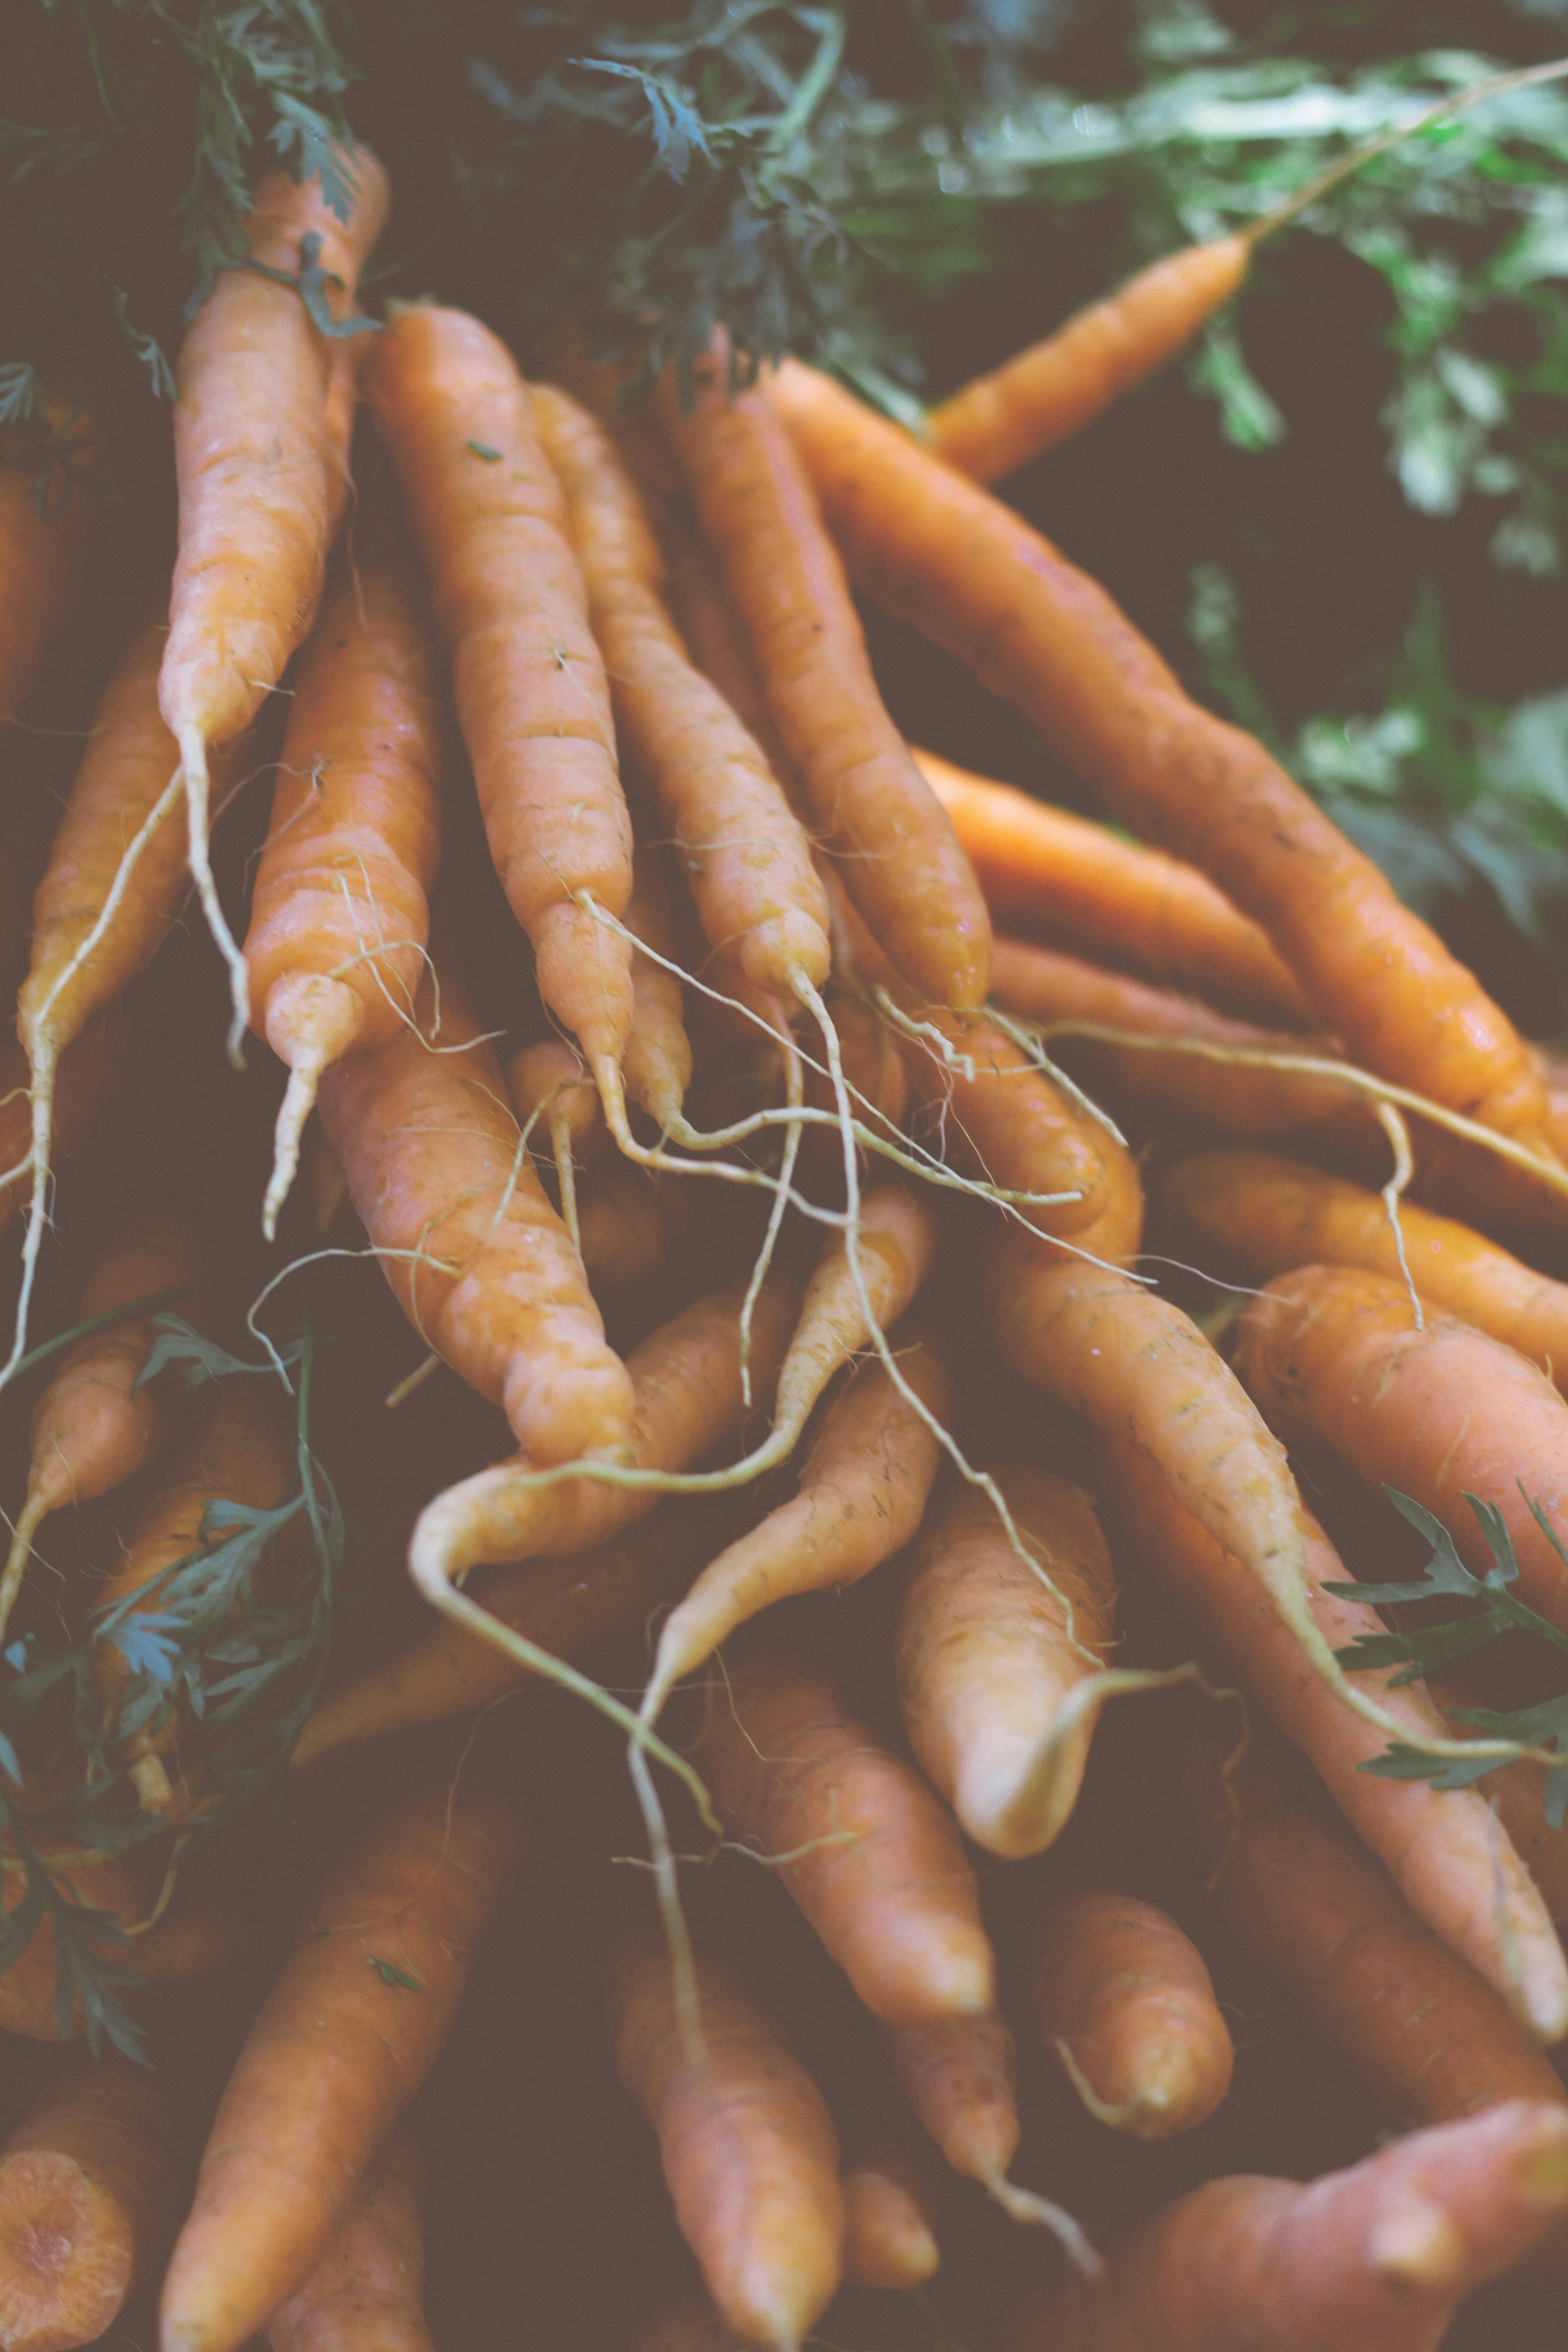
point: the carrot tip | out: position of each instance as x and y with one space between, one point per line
1418 2245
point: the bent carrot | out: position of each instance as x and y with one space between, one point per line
86 2192
339 914
748 2147
985 1667
868 1852
889 2239
1373 2259
254 460
532 700
43 536
367 2000
888 833
1039 865
476 1256
1123 1999
942 554
367 2292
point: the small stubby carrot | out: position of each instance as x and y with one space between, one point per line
986 1669
1333 1353
868 1851
1373 2259
983 1102
532 700
743 851
1456 1869
476 1256
748 2147
863 1487
258 477
367 2294
44 528
339 915
942 554
87 2190
1268 1214
365 2001
889 836
889 2240
1040 866
1123 1999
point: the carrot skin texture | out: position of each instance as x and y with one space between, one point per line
875 1862
1333 1353
366 2295
942 554
533 698
1041 867
1370 2259
1003 1121
888 2241
959 2079
624 1227
87 2190
1126 2003
983 1662
1052 388
332 2060
748 2147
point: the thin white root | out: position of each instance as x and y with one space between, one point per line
194 766
415 1380
1023 2205
1398 1134
43 1059
794 1087
34 1511
677 1935
299 1101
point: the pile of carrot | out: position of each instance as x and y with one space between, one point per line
875 1269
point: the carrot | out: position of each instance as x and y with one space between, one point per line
743 850
93 1425
86 2188
366 2295
255 456
893 844
1456 1870
874 1070
1333 1353
862 1490
1003 1121
889 2235
44 527
548 1078
1040 866
86 1073
476 1256
942 554
990 1686
364 2004
657 1061
748 2147
339 914
1269 1216
532 699
1370 2259
1126 2003
624 1228
869 1854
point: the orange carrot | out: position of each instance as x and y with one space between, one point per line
367 2292
1333 1353
959 2078
862 1490
1039 865
338 918
1269 1216
1454 1867
1126 2003
548 1078
1003 1121
888 2236
623 1227
657 1060
532 699
986 1669
256 472
477 1259
365 2001
44 528
748 2147
893 844
942 554
86 1073
1371 2260
86 2192
869 1854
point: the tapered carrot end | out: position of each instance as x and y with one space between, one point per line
1015 1798
193 764
41 1500
887 2241
312 1022
65 2254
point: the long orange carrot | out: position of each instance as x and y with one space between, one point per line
868 1852
747 2144
367 2000
533 698
889 2240
366 2295
255 458
338 917
44 526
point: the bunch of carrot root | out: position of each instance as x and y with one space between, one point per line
792 1257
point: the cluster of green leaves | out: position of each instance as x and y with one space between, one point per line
235 1634
1491 1609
